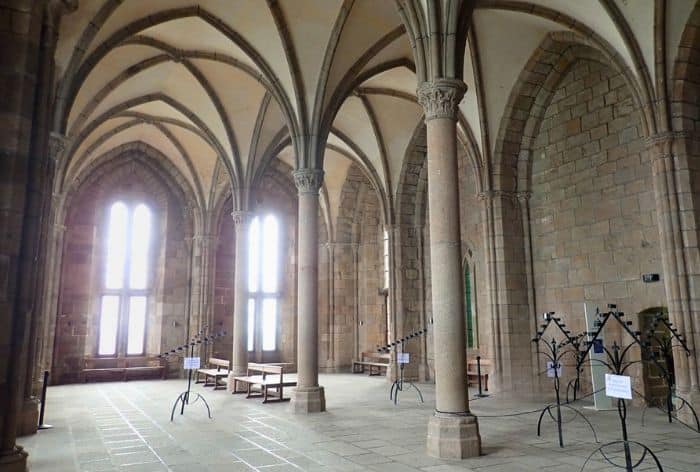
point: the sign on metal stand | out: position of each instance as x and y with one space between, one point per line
598 369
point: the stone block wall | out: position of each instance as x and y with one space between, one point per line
83 261
355 320
224 268
593 221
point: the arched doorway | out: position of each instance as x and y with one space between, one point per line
654 383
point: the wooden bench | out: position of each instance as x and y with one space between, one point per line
264 380
473 375
376 361
110 369
216 369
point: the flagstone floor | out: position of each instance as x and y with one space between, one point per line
109 427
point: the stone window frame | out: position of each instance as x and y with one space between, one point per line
469 264
157 239
260 295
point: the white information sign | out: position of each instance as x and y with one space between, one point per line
618 386
191 363
402 357
550 369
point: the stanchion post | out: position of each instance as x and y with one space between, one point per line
478 372
44 386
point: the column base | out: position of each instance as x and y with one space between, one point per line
308 400
685 414
453 437
230 383
13 461
28 417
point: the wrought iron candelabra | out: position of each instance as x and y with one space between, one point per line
398 384
555 353
660 347
198 340
617 365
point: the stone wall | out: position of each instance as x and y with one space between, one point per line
277 195
593 221
77 318
356 319
224 268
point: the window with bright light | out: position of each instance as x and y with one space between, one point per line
123 308
263 282
387 336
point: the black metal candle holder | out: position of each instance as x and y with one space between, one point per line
198 340
662 347
398 384
617 365
555 353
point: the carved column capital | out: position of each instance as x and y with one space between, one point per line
241 217
57 144
440 98
515 197
664 146
206 241
523 196
308 180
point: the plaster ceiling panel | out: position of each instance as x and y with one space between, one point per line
147 134
401 79
335 169
640 18
113 64
128 12
71 28
240 96
400 48
366 24
272 124
97 133
309 23
201 36
255 22
506 42
678 12
251 19
469 106
352 121
336 141
159 108
202 156
175 81
594 15
397 119
286 155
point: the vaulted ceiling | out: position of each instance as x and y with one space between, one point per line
218 86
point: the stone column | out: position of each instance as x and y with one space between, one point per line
308 396
239 356
524 201
20 211
453 432
679 253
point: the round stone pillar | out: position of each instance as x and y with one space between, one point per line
453 432
308 397
239 356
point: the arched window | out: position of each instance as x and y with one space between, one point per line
263 283
469 308
385 291
125 287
